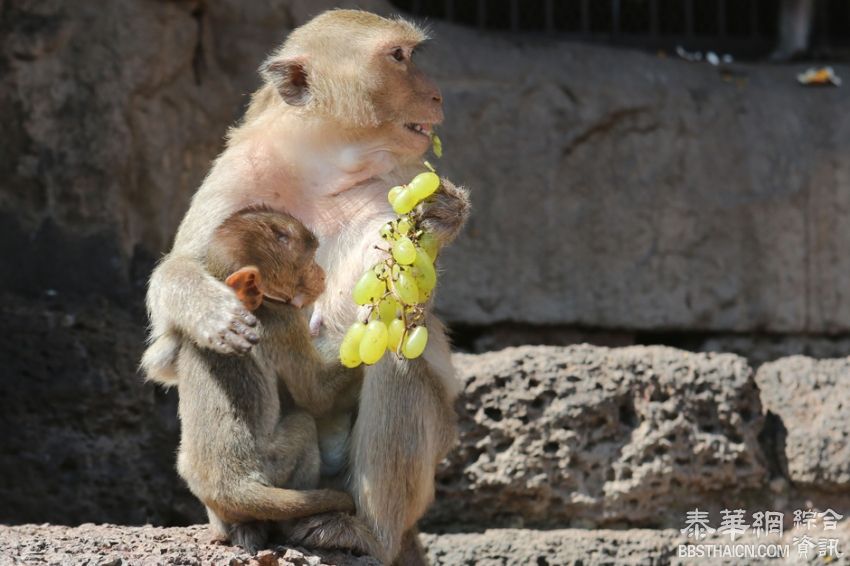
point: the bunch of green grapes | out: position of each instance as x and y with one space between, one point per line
397 287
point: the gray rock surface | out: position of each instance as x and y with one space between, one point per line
760 349
616 189
810 397
504 547
111 545
112 113
83 438
591 436
579 547
611 188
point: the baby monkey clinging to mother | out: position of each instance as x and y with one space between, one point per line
249 448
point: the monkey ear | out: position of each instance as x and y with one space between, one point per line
290 78
248 286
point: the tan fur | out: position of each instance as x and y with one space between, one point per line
249 446
328 155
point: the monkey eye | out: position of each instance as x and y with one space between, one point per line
398 54
282 237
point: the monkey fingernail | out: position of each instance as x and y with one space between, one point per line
249 319
252 338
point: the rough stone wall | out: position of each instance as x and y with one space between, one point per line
612 188
112 113
809 397
83 438
595 436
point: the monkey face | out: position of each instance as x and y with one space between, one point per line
409 104
310 287
271 255
287 259
356 70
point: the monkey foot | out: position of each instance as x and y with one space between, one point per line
334 531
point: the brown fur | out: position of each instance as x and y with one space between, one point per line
249 446
324 138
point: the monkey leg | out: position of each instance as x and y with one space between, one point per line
336 531
251 535
398 438
219 530
404 426
412 553
251 500
293 459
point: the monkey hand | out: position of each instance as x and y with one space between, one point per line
226 326
446 212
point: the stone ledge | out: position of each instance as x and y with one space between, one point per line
113 545
589 436
581 547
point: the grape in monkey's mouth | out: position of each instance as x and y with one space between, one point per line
422 129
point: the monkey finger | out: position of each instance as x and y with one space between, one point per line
241 329
238 343
247 317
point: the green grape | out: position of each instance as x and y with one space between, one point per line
387 231
404 251
437 145
394 192
424 296
406 288
369 288
374 342
405 201
403 225
395 334
349 350
382 270
423 185
428 242
426 276
387 309
415 342
396 269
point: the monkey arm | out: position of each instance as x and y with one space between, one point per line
182 295
315 384
446 212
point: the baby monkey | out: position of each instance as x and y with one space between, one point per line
249 448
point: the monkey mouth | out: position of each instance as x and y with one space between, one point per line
422 129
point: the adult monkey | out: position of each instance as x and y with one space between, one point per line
343 114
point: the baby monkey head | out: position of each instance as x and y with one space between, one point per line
265 254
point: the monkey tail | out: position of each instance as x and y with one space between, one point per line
255 501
